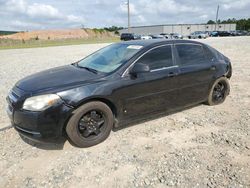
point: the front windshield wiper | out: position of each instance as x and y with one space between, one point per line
87 68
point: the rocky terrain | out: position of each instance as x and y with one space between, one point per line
202 146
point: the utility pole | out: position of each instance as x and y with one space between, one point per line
217 14
129 30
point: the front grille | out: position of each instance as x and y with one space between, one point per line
14 94
10 108
16 98
13 100
27 131
13 97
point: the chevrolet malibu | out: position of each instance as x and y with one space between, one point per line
118 84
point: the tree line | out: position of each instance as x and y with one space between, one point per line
7 32
241 24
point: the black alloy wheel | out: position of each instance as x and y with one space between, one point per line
91 124
219 91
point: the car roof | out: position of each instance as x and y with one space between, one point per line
155 42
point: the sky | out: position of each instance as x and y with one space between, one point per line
58 14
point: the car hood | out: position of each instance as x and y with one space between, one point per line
56 78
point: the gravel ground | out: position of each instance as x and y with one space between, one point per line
200 147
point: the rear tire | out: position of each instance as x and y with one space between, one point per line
219 91
90 124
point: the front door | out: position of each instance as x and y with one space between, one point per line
151 91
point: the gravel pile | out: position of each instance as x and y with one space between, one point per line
198 147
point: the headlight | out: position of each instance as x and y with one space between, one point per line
39 103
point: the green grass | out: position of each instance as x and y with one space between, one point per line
8 32
15 44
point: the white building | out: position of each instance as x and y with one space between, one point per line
184 29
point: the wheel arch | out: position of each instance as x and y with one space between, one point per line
215 78
108 102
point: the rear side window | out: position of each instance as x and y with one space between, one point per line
158 58
190 54
216 54
209 53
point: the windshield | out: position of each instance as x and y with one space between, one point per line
109 58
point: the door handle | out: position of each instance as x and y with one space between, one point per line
213 67
171 74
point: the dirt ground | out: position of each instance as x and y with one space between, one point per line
57 34
199 147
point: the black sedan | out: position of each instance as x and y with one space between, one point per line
122 82
220 34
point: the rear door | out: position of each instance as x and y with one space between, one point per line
196 73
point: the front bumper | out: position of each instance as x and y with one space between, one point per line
44 126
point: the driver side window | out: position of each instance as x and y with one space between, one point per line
158 58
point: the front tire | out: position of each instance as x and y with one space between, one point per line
219 91
90 124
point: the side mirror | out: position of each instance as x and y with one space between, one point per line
139 68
